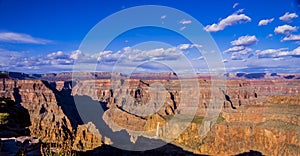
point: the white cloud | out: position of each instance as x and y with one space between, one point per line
182 28
235 5
288 17
57 55
76 54
109 56
277 53
278 59
240 55
62 61
269 53
245 51
291 38
163 17
295 52
21 38
196 46
235 48
239 11
185 22
135 55
270 35
183 46
245 41
236 56
265 21
188 46
241 47
228 21
285 29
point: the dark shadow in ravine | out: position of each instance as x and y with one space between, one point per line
251 153
66 101
168 149
19 118
227 98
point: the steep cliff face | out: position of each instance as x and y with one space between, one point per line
134 95
253 119
48 122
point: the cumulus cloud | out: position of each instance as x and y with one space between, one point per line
285 29
270 53
277 53
57 55
188 46
235 5
265 21
288 17
196 46
185 22
241 48
245 41
109 56
291 38
136 55
184 46
295 52
235 48
76 54
228 21
239 52
21 38
236 56
240 55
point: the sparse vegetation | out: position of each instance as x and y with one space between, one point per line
53 149
6 101
4 118
220 119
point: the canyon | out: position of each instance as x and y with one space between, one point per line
164 113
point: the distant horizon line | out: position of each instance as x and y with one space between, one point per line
5 71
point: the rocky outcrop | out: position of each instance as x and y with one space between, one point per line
87 137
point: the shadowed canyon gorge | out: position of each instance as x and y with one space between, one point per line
93 113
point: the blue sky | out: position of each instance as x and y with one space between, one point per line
253 36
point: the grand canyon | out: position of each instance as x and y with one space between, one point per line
141 77
41 114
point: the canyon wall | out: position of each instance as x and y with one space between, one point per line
248 112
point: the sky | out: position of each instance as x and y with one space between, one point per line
251 36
